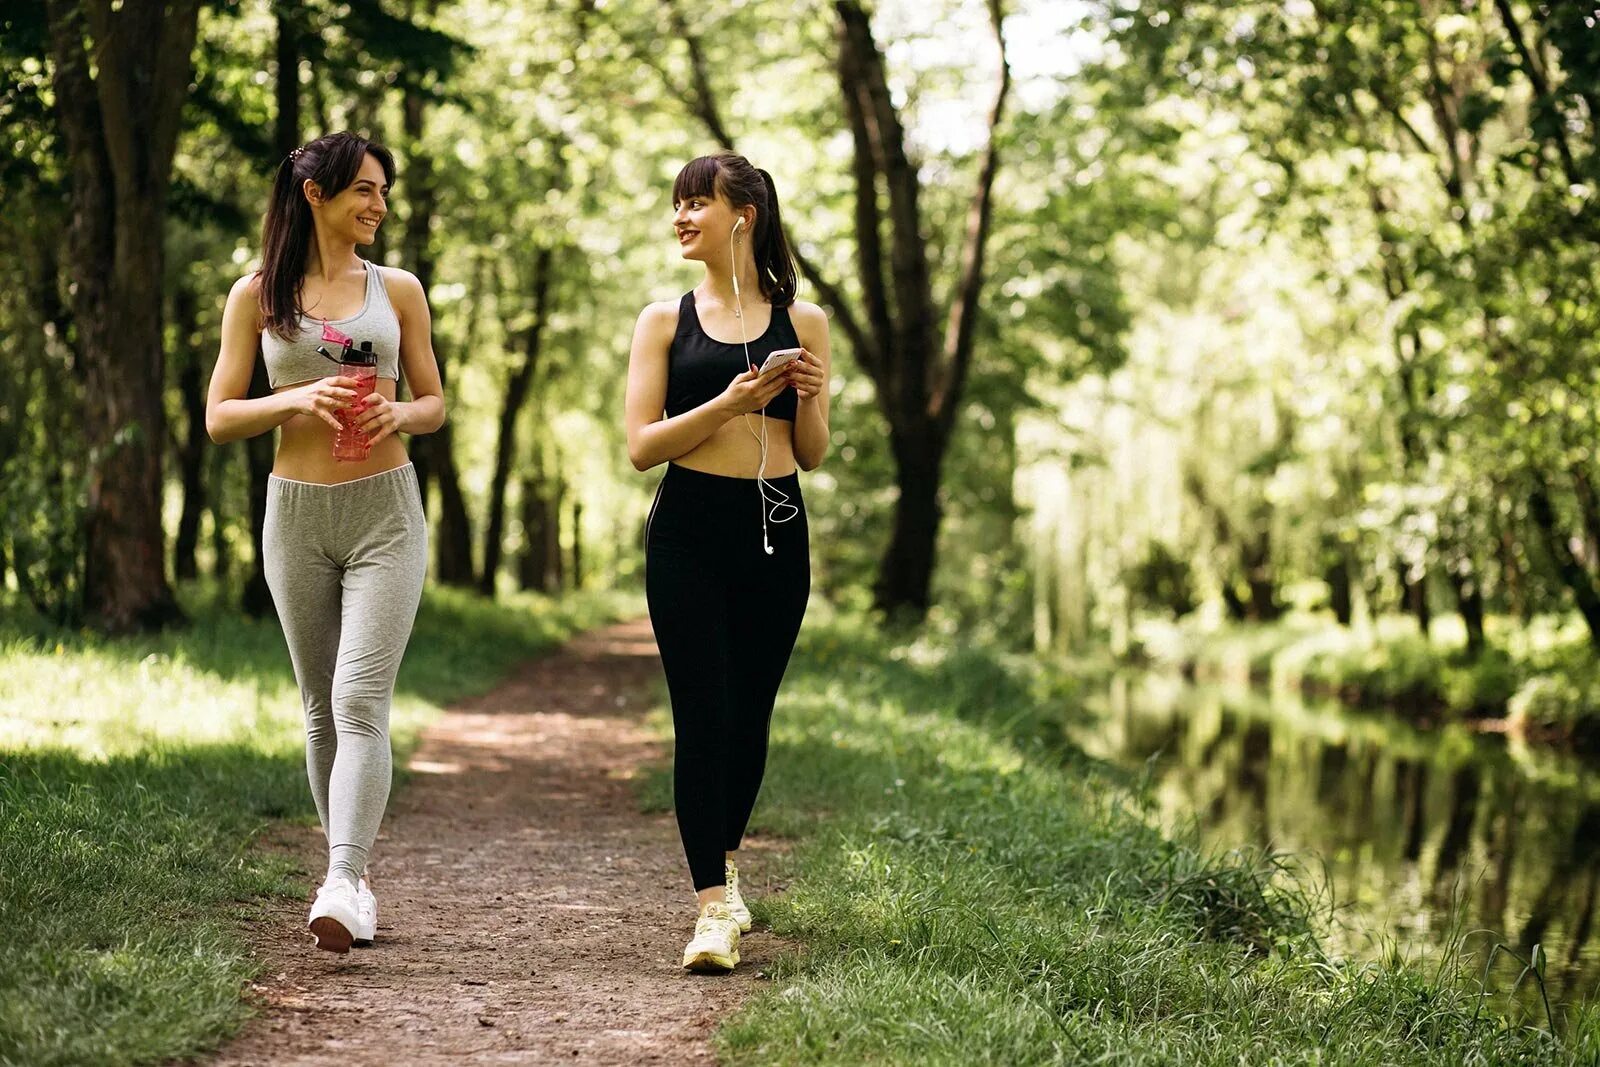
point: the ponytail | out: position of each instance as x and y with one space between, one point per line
774 261
332 162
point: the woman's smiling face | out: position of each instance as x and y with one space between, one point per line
703 225
357 211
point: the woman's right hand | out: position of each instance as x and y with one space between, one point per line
751 392
323 398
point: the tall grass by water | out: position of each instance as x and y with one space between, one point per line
1541 676
965 891
135 774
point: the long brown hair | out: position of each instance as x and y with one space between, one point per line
333 163
742 185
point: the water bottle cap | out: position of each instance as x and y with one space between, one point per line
361 357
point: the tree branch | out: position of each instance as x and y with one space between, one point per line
959 331
1534 70
868 217
702 99
913 335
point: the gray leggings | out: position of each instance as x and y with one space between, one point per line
345 564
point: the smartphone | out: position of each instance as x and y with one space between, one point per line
779 358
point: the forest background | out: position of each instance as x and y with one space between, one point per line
1252 338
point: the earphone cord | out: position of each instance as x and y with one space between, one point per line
773 499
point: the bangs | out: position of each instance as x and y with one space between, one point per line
343 162
697 178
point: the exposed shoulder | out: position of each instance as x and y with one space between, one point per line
808 318
803 311
245 297
659 319
660 311
247 286
399 281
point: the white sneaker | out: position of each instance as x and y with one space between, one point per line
366 914
730 893
715 945
335 916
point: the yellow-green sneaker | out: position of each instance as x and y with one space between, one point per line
715 945
730 893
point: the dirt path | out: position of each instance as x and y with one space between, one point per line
528 913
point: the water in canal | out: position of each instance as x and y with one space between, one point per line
1410 824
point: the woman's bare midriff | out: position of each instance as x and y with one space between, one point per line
305 449
734 452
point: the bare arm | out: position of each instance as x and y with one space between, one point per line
810 380
231 415
424 412
653 439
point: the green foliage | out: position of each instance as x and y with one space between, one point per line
1548 686
1561 694
1163 581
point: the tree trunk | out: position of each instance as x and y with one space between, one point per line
1517 602
1571 572
1414 596
1340 598
434 453
905 577
416 246
533 564
1256 556
1469 601
120 128
556 574
221 554
510 410
257 598
577 544
455 528
192 451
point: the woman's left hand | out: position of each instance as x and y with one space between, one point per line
379 417
805 374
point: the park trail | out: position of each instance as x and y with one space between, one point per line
528 912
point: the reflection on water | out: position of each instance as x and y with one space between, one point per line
1408 823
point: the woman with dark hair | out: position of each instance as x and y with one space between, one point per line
727 558
346 542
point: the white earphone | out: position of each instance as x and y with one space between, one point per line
770 495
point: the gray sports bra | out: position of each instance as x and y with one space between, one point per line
294 361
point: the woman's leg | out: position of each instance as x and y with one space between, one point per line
383 580
306 591
691 627
686 579
771 600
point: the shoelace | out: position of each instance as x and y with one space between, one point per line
710 918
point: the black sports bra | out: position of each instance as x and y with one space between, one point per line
699 367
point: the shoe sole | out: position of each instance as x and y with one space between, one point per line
711 962
331 934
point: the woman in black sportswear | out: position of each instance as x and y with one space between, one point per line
727 560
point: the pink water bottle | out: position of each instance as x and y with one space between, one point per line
351 445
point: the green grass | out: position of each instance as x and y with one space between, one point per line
965 893
134 776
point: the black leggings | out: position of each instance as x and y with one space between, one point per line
726 615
